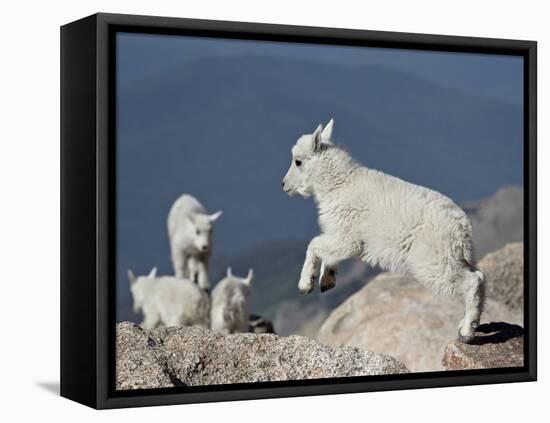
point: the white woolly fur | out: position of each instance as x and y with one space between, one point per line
190 231
383 221
169 301
230 303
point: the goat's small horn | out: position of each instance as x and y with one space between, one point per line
250 276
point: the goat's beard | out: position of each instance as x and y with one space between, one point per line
304 192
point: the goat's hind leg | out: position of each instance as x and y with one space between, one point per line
473 291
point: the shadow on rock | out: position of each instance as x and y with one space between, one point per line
496 345
496 333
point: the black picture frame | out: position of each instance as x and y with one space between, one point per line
88 209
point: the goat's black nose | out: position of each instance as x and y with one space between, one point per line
283 183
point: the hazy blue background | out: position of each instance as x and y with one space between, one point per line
217 118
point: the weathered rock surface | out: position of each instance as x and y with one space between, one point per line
496 345
503 271
195 356
393 314
136 363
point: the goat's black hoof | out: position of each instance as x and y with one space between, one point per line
325 288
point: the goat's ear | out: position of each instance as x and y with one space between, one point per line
131 277
250 278
191 218
317 138
229 272
215 216
153 273
326 135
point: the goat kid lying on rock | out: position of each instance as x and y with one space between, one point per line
383 221
169 301
230 303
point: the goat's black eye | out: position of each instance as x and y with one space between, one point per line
198 232
298 162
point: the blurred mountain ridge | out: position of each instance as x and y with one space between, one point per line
497 220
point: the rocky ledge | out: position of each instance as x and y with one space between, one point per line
394 314
188 356
496 345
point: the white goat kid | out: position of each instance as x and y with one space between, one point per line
169 301
384 221
230 304
190 233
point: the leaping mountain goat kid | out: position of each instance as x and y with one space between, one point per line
190 232
230 304
384 221
169 301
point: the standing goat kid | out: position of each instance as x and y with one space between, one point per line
190 231
385 221
230 304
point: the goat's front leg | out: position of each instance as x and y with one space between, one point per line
310 269
328 250
327 280
179 260
151 318
192 272
202 273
